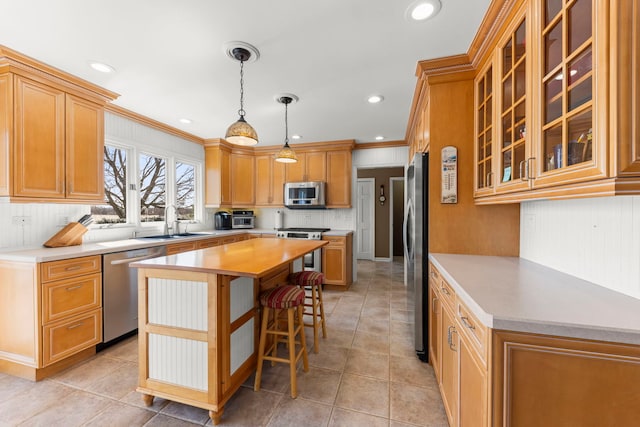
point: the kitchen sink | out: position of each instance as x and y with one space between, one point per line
170 236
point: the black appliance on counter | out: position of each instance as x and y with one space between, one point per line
416 248
222 220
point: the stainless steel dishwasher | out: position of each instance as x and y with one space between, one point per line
120 291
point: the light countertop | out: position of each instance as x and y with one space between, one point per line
514 294
42 254
252 258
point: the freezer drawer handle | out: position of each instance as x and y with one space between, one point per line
130 260
77 325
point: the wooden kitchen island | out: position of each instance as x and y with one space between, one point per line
199 314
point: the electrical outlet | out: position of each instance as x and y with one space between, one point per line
21 220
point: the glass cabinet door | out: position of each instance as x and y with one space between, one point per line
484 131
567 84
513 124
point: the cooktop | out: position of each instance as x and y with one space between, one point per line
302 229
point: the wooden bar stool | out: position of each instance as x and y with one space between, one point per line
311 282
291 299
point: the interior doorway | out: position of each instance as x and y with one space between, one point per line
365 230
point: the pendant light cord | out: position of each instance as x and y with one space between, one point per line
286 124
241 110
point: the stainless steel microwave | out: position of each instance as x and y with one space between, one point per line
304 195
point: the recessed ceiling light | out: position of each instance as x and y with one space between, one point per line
379 138
102 67
186 121
296 136
374 99
423 9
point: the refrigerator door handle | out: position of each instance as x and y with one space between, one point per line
408 215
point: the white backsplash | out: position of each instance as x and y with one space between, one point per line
337 219
595 239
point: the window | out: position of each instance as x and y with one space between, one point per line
140 185
185 191
152 185
114 211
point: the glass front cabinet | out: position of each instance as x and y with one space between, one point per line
559 75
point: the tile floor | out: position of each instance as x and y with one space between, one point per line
366 374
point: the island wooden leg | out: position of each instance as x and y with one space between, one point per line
148 399
215 416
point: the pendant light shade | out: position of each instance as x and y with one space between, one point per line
286 154
241 132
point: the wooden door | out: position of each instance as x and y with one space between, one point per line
295 172
263 180
316 167
473 387
243 183
84 150
338 167
38 168
449 364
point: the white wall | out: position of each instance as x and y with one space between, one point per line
595 239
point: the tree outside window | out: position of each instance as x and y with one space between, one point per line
115 188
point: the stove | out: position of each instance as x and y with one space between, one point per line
301 233
313 260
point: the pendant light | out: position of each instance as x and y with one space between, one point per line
241 132
286 154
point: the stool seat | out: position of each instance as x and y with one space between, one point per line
311 282
282 297
306 278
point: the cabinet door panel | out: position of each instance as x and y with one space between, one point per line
316 168
242 182
263 180
84 149
449 363
296 171
6 132
39 140
435 333
473 388
277 183
338 179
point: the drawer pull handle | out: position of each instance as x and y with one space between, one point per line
72 288
445 290
77 325
450 331
465 320
73 268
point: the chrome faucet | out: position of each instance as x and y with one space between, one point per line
169 230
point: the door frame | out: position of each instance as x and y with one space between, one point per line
391 209
372 215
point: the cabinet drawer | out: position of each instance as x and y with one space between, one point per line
176 248
67 297
476 332
334 240
67 337
448 294
209 243
62 269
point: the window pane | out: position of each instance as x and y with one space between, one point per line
114 211
185 191
152 188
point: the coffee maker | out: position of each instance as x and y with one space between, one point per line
222 220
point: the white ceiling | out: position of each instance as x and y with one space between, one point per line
170 60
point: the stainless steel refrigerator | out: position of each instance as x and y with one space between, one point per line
416 247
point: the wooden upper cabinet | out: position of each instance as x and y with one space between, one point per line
51 133
338 179
39 148
311 166
269 181
217 161
242 180
84 149
484 175
562 129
